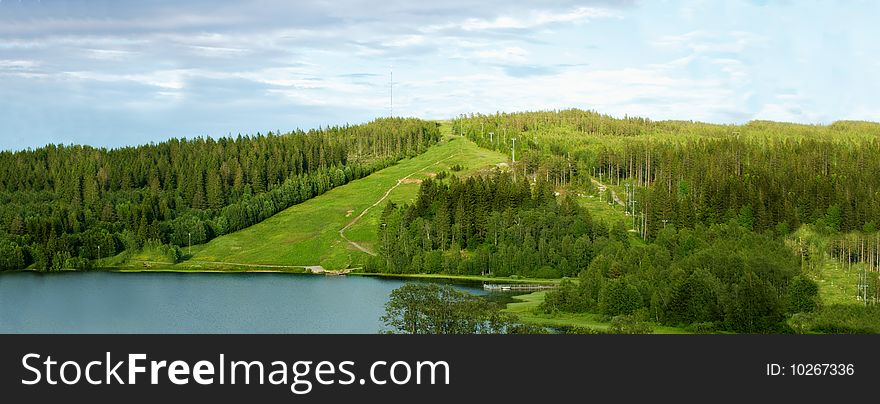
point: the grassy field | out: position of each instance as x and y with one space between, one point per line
526 310
308 233
837 285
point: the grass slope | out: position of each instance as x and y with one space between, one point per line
308 233
838 283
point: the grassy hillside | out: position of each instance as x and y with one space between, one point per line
309 233
838 282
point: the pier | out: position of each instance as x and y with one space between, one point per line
504 287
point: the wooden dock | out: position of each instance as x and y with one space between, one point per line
505 287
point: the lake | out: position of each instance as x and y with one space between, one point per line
110 302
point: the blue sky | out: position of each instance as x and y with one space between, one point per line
113 73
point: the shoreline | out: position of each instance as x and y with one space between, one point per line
475 278
300 271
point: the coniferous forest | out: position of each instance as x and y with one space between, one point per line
65 206
726 227
702 227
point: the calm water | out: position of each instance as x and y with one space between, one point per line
107 302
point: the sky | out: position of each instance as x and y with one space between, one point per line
116 73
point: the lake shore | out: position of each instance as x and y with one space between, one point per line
304 271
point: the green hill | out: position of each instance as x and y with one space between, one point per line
308 234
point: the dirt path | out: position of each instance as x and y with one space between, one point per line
602 187
388 192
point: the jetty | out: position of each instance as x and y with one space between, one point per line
504 287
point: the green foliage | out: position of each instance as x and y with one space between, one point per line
11 255
568 297
630 324
618 297
581 330
708 327
429 308
61 202
490 225
724 275
308 233
839 319
765 175
802 296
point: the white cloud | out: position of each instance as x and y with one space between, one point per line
735 69
529 20
451 57
113 55
217 51
511 54
165 79
705 41
653 92
7 64
406 40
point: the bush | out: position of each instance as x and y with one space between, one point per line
580 330
630 324
548 272
708 327
76 263
619 297
518 328
840 319
803 295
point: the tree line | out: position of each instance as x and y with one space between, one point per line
707 279
65 206
766 175
489 225
723 277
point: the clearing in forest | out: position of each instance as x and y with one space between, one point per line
322 231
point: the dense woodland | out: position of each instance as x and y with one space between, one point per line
725 277
715 207
767 175
489 225
65 206
707 279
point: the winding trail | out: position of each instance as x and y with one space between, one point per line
602 187
388 192
317 269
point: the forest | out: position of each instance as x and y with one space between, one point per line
761 227
724 277
767 175
66 206
488 226
728 228
770 177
